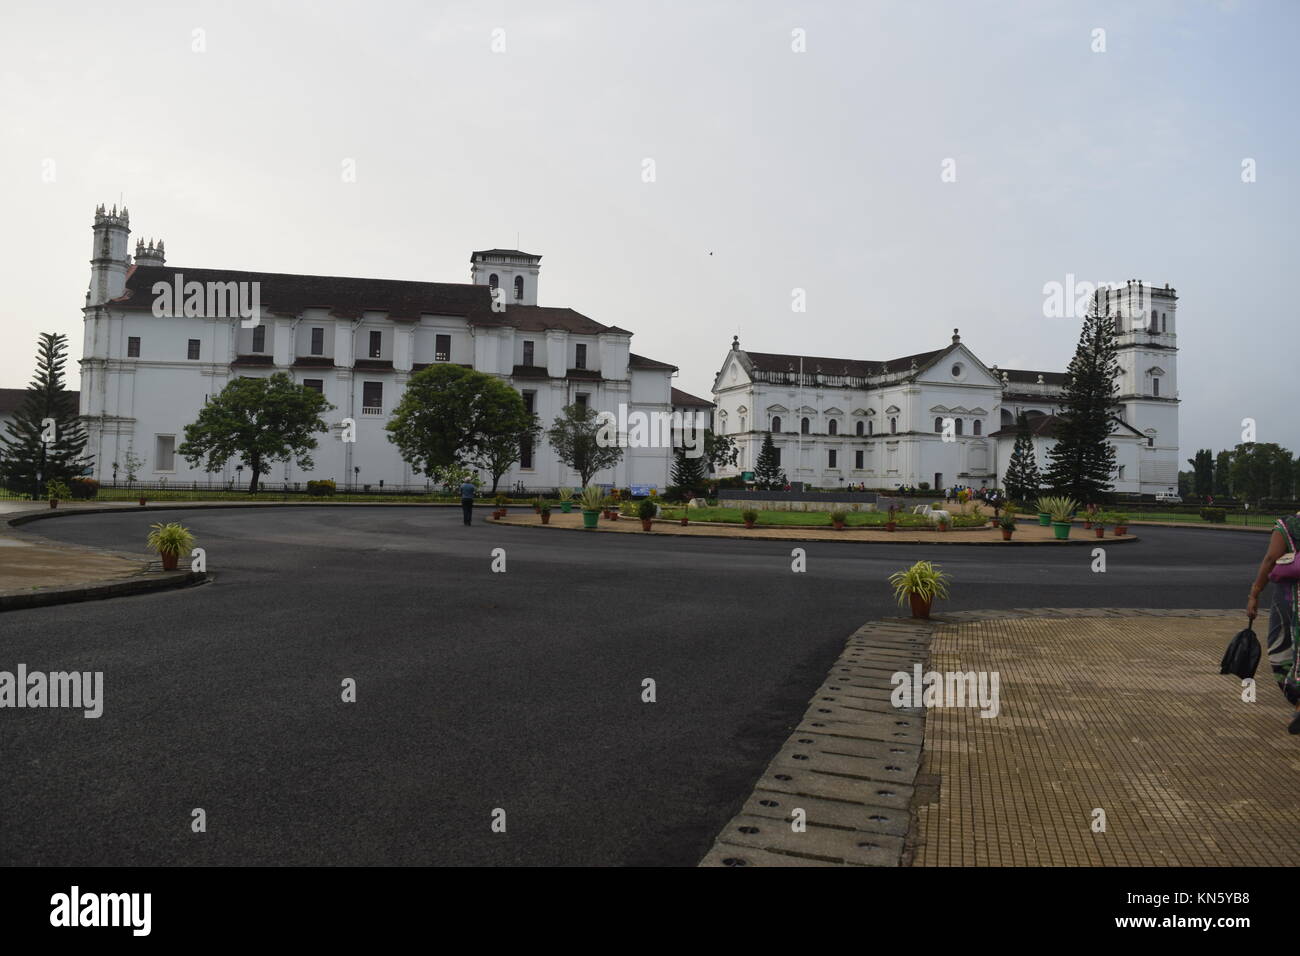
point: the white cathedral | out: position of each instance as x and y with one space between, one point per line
842 422
145 376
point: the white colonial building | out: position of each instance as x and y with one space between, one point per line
839 422
144 377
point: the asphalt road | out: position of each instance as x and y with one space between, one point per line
475 690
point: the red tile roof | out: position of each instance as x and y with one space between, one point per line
686 398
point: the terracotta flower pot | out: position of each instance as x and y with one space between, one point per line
1006 534
685 521
142 501
169 560
54 502
613 516
749 523
1121 529
1087 524
546 517
645 523
839 525
1100 531
891 525
920 606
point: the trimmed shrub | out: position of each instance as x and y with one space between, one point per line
84 487
320 488
1215 515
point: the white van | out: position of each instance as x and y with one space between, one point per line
1168 500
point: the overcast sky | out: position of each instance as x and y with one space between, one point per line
773 169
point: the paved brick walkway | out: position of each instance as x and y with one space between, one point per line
1126 714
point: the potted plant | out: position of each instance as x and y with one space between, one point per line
56 490
170 540
1044 512
890 523
1007 523
1121 524
566 500
646 512
920 585
500 511
545 511
591 500
749 516
537 505
1099 521
838 515
943 520
1062 511
686 509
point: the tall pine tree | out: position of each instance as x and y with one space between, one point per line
1082 461
1022 479
46 438
688 473
767 470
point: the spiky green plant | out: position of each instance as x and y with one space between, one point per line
923 579
592 498
170 538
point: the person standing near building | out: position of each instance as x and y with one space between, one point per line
1283 619
467 490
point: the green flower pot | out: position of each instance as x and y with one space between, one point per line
589 518
1044 518
1061 529
566 506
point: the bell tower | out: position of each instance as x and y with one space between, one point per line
512 271
109 257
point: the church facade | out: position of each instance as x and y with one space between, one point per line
944 417
145 375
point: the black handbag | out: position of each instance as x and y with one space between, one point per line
1242 656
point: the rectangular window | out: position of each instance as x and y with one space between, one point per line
442 348
778 456
193 351
1155 387
528 353
530 400
376 344
580 356
259 338
133 347
526 454
830 458
372 397
165 453
857 459
582 399
314 384
317 341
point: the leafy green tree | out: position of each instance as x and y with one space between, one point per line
451 416
1260 470
258 420
46 438
1022 479
1223 474
1186 483
1203 469
1082 461
720 451
584 442
768 475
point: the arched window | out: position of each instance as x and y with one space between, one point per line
493 281
803 426
834 427
776 423
978 424
519 287
893 426
860 428
871 428
938 424
959 422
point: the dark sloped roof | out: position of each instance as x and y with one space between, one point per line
783 362
349 297
504 252
686 398
640 361
12 398
1030 377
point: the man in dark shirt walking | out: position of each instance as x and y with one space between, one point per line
467 500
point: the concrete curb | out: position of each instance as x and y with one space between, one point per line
856 766
846 540
140 583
